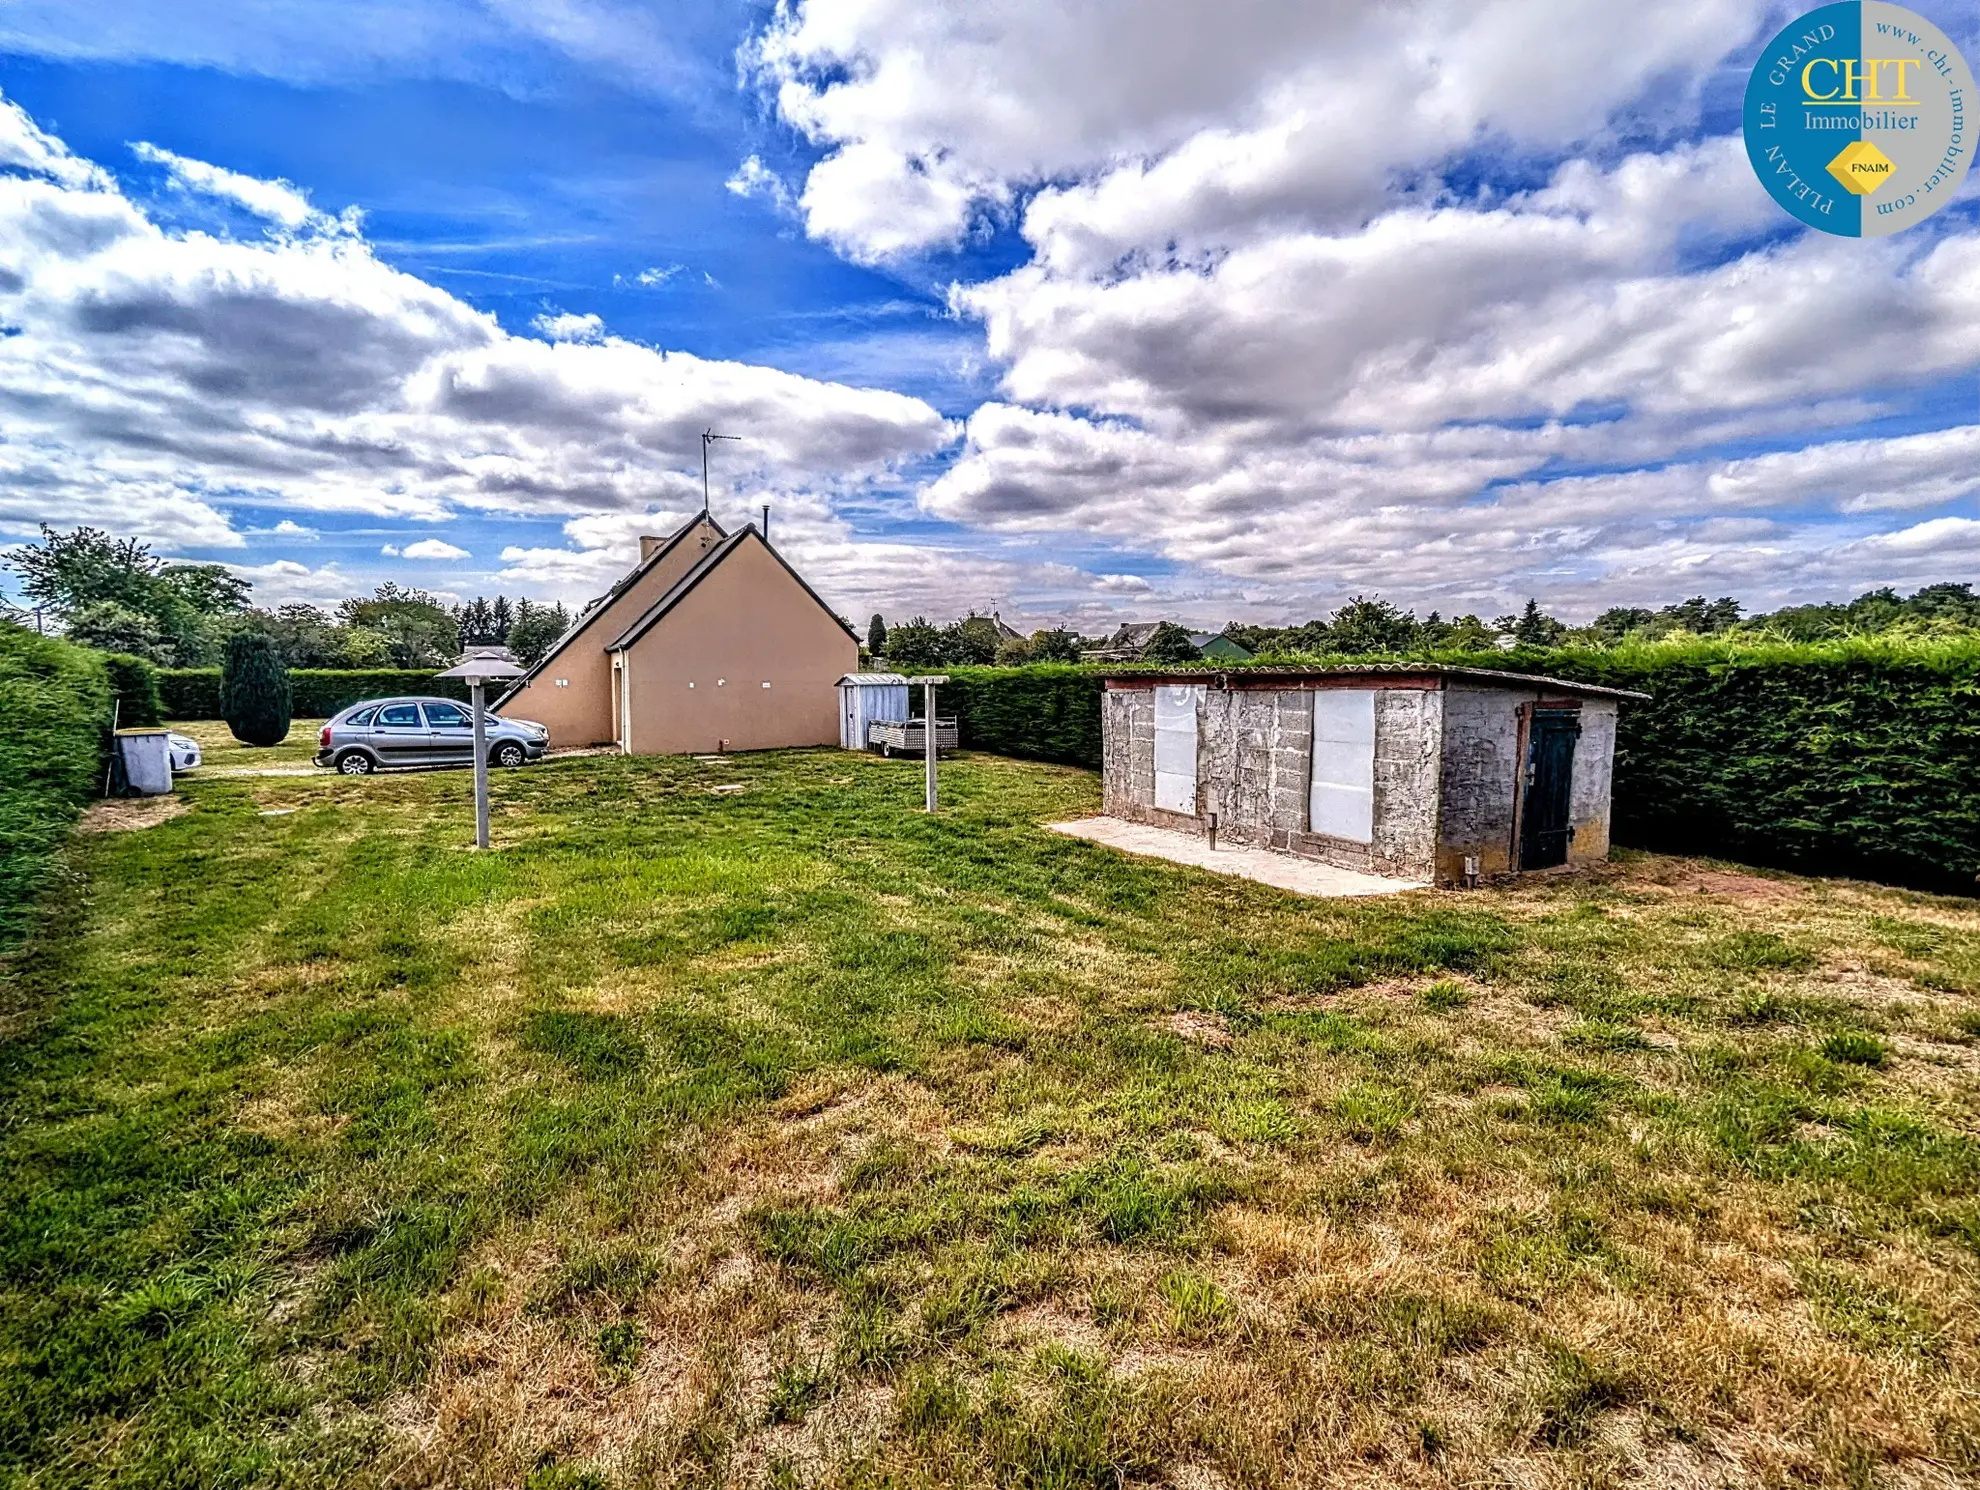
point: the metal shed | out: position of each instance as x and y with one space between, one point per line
865 698
1422 772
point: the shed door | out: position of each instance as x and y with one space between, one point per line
1341 803
1175 748
1544 829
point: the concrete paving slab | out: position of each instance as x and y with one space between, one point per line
1286 871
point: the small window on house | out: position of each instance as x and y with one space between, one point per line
766 685
1341 803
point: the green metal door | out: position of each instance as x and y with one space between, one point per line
1544 829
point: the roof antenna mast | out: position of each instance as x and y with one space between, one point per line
709 437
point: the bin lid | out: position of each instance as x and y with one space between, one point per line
146 730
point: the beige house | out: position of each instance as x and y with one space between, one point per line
711 643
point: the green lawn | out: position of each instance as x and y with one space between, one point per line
789 1136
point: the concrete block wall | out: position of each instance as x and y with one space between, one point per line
1254 766
1409 731
1127 751
1594 779
1481 769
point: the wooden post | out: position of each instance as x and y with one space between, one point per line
480 767
928 735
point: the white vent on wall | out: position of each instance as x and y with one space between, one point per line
1342 800
1175 748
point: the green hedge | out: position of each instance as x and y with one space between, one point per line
1049 711
1854 758
55 702
1843 758
134 690
316 693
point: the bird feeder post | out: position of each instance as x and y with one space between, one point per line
476 672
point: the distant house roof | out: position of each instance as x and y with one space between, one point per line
1216 644
710 561
1263 676
1006 631
603 603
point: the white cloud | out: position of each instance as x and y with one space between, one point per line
425 548
1262 338
279 202
156 377
1205 116
285 582
498 43
569 326
754 179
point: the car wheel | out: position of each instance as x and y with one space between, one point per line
354 763
508 754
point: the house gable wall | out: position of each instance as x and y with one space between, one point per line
745 623
581 713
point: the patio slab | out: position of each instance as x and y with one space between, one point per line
1287 872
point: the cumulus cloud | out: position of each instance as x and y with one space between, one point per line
569 326
280 202
853 573
425 548
1182 121
154 377
1326 298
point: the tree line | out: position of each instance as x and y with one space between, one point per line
114 595
1366 625
974 640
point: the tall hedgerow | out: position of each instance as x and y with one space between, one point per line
1853 757
254 690
54 714
134 688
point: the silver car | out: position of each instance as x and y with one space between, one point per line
391 732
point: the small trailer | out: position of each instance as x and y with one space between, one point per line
906 736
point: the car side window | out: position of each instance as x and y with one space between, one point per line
360 719
446 716
399 716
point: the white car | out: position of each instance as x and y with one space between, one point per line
183 749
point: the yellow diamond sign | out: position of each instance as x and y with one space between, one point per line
1861 167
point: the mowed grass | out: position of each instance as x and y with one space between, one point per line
787 1136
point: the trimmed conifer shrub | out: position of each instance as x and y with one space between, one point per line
254 690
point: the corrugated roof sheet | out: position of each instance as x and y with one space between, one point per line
1367 669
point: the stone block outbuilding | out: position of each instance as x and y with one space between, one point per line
1413 771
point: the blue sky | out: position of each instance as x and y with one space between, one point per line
1177 324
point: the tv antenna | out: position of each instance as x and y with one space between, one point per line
709 437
